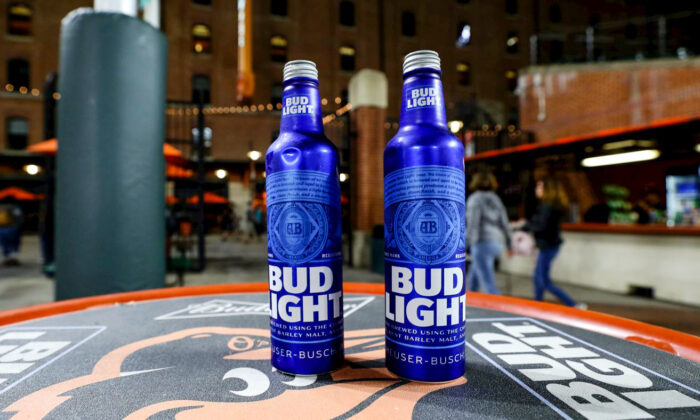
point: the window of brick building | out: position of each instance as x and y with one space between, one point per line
278 49
512 7
511 80
464 34
201 39
19 19
201 88
276 93
512 43
513 116
346 13
347 58
464 75
556 51
555 13
408 24
18 72
278 7
17 133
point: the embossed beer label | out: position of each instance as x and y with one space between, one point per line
305 264
422 97
299 206
297 105
424 255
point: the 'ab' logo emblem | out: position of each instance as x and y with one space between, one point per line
298 231
294 228
427 230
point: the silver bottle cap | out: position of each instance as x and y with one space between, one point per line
421 59
299 68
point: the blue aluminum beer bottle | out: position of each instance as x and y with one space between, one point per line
304 233
424 240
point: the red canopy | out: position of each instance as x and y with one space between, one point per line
209 198
50 147
47 147
174 171
19 194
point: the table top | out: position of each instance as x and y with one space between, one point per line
208 357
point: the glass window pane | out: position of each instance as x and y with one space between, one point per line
278 7
201 88
347 13
278 49
18 72
201 39
464 74
19 19
17 130
347 57
408 24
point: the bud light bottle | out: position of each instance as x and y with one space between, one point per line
424 239
304 233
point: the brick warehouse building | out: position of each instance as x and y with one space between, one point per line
341 36
483 45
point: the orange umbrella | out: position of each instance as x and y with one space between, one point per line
19 194
209 198
174 171
172 155
50 147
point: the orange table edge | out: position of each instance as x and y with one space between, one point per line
681 344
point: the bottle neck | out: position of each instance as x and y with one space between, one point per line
301 106
422 101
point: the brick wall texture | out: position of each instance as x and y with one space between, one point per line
367 193
568 100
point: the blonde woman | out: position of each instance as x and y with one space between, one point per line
487 231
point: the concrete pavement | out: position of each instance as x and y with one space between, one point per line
236 261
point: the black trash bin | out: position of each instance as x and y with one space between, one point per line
377 250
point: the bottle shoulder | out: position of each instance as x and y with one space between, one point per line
423 146
418 136
301 141
299 151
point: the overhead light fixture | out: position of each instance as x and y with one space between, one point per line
221 173
697 147
619 144
253 155
343 177
32 169
465 36
620 158
623 144
455 126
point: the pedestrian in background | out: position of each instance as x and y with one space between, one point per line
487 231
227 222
546 228
11 220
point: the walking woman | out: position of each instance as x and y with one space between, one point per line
546 227
487 232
